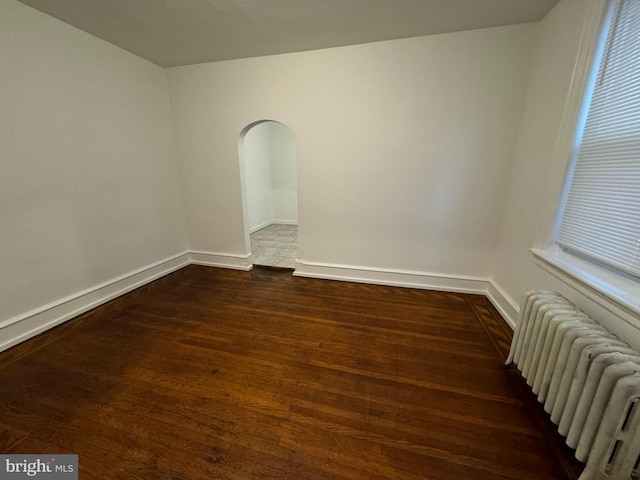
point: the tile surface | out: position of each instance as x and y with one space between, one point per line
275 245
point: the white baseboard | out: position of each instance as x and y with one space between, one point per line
505 305
222 260
22 327
285 222
394 278
272 222
261 226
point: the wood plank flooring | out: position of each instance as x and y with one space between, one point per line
220 374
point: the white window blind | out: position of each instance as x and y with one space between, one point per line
601 218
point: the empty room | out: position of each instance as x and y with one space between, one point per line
320 239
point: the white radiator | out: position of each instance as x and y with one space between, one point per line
587 379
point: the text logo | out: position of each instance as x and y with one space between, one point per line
49 467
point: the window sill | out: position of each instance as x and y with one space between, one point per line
619 295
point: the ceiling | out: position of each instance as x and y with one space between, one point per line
182 32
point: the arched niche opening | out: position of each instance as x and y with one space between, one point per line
268 165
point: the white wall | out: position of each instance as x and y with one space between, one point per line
530 186
403 146
284 173
270 171
257 165
415 156
89 190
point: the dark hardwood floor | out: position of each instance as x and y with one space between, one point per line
220 374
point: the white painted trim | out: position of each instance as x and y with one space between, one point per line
620 299
394 278
261 226
222 260
574 108
48 316
285 222
506 306
59 311
272 222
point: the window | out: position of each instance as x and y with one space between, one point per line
600 218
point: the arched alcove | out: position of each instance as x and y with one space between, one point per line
267 152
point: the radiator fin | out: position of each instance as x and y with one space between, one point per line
587 379
616 451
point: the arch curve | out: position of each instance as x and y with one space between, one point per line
267 154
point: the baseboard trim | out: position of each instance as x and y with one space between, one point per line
222 260
24 326
394 278
272 222
261 226
505 305
285 222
